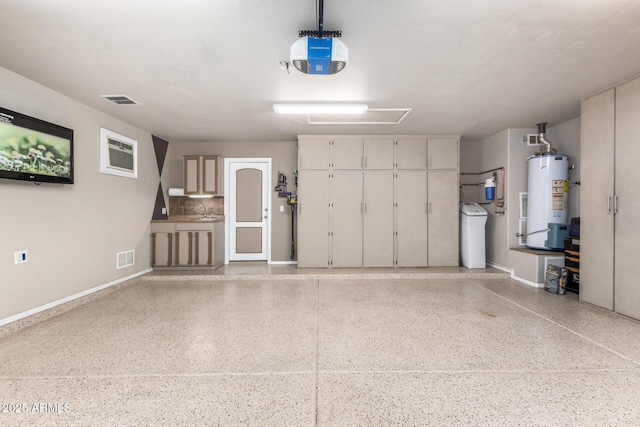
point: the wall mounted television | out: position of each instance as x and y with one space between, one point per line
34 150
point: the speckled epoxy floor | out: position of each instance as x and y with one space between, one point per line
277 350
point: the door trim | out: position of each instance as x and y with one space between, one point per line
227 207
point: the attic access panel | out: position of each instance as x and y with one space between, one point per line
382 116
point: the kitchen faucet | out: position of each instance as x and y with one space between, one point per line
203 214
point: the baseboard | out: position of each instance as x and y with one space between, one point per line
283 263
70 298
527 282
500 267
513 275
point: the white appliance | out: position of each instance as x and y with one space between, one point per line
473 219
548 189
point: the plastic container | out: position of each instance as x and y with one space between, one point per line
490 189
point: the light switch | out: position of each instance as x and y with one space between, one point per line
281 208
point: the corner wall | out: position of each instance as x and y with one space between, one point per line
507 149
71 232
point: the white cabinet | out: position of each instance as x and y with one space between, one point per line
347 208
369 201
378 153
411 153
314 153
347 153
442 191
610 200
313 218
596 200
201 175
627 200
412 221
377 232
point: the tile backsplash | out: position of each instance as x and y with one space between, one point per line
188 206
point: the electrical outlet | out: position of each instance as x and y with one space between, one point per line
20 257
164 211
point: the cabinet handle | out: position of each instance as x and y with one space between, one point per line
361 161
365 206
609 201
430 210
426 207
615 204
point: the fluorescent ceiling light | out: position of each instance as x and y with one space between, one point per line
320 108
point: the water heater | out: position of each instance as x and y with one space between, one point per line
547 200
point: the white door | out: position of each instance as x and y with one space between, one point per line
248 217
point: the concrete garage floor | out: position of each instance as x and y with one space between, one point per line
276 346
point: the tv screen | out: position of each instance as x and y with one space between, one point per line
34 150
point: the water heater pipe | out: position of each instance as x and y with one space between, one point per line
498 203
542 135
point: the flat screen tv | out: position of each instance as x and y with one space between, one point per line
34 150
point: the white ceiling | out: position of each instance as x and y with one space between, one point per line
207 70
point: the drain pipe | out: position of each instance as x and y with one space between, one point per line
542 135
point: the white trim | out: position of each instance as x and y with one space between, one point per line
53 304
284 263
513 276
500 267
227 192
527 282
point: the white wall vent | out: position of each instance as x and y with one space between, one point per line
522 232
118 154
120 99
125 259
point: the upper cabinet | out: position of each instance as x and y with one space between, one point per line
442 153
411 153
347 153
201 175
314 153
378 153
423 153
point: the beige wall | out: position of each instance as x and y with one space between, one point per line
71 232
284 159
565 138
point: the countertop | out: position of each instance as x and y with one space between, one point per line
190 219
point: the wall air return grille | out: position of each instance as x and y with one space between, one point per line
125 259
120 99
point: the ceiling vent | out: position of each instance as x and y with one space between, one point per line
120 99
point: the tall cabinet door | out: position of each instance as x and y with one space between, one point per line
627 185
596 200
411 217
443 221
347 208
313 218
378 219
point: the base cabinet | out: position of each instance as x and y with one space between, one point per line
187 244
